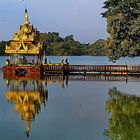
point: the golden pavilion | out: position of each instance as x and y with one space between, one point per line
25 50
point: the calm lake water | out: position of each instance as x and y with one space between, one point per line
70 110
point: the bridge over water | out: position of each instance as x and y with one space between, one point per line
31 71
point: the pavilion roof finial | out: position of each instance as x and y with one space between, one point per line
26 16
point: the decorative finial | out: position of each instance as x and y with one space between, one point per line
26 16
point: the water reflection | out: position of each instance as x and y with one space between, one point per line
124 123
27 97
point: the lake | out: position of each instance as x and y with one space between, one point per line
70 110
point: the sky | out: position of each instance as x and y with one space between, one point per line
78 17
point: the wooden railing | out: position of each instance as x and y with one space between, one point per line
97 68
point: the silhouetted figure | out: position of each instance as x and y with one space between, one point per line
45 60
24 60
62 61
67 61
7 62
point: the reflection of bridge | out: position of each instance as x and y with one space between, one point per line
79 77
99 77
98 69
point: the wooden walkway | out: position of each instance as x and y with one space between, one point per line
58 69
91 69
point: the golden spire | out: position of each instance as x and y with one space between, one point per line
26 17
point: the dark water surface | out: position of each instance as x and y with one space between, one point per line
70 110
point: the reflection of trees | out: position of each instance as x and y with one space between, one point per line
124 123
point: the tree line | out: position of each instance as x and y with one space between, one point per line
56 45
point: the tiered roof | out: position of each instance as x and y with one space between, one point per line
26 41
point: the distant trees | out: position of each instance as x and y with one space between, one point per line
56 45
2 47
97 48
123 25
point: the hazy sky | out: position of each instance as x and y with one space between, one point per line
78 17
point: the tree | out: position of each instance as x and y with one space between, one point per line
123 26
2 46
55 45
97 48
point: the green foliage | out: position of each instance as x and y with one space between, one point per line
123 25
124 123
97 48
56 45
2 46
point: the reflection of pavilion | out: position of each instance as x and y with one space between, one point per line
27 96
